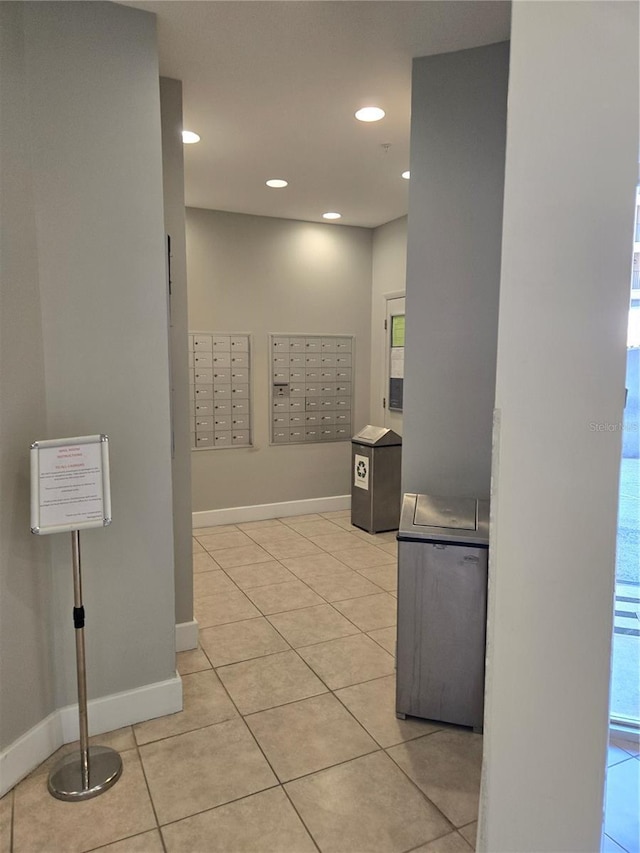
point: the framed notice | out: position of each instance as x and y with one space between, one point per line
70 484
396 362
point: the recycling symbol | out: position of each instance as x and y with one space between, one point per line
361 470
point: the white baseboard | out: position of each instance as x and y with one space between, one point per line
259 512
29 750
105 715
186 636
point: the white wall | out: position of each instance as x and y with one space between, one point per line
572 149
85 286
260 275
26 666
458 125
174 216
389 272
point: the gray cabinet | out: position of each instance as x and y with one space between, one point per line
220 390
311 379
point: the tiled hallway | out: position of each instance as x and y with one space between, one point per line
288 742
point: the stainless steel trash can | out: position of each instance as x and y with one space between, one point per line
375 483
442 605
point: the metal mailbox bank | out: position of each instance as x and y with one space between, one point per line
442 604
375 484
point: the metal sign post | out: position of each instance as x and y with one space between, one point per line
69 491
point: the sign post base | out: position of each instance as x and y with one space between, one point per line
66 778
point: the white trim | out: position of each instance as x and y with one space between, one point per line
186 636
620 732
105 715
31 749
232 515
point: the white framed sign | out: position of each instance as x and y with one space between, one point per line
70 487
361 471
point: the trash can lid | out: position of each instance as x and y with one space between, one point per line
436 518
374 436
454 513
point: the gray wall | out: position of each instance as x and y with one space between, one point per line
96 257
173 184
458 124
571 168
26 665
259 274
389 274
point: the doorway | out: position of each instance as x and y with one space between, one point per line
625 683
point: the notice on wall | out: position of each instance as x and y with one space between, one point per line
361 471
70 484
396 363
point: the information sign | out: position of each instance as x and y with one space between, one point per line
70 484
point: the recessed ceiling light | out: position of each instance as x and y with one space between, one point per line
277 183
370 114
406 175
189 137
332 215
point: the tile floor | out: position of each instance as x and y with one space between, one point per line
288 741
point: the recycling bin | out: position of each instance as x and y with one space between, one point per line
442 609
376 455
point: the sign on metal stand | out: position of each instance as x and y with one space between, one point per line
70 492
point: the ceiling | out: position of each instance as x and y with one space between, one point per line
271 87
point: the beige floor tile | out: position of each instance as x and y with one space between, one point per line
338 513
385 637
340 586
199 770
148 842
268 535
294 520
378 539
220 609
370 611
314 564
279 597
193 660
258 525
203 562
196 547
265 682
390 548
446 766
365 805
246 555
6 815
320 527
373 704
42 823
205 703
469 833
386 577
220 541
262 823
286 548
214 530
450 843
345 523
212 583
260 574
332 542
310 735
312 625
240 641
118 739
364 557
350 660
